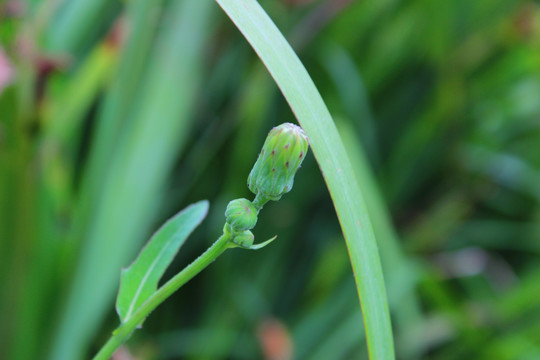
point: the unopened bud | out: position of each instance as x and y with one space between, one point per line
241 214
244 239
282 154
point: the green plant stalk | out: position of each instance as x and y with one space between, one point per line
124 331
287 144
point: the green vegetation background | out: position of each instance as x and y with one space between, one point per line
115 115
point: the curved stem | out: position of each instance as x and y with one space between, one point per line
124 331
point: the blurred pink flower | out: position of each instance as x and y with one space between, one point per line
6 71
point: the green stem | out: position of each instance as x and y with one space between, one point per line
259 201
124 331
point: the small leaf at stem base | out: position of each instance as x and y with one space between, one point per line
140 280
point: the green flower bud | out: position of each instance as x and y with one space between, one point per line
241 215
283 151
244 239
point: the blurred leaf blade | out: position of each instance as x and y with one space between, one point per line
122 212
401 273
141 278
311 112
74 22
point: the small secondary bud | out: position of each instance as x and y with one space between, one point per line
282 154
244 239
241 214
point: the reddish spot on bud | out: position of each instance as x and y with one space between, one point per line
287 146
301 154
287 164
273 152
262 152
273 170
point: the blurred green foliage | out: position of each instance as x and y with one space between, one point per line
115 115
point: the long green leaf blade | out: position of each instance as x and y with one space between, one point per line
157 126
140 280
311 112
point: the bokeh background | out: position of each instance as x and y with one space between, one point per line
114 115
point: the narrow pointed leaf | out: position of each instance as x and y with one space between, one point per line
140 280
263 244
311 112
